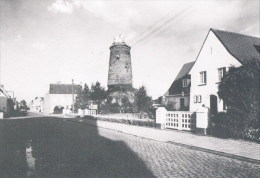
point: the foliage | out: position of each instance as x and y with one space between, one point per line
83 98
98 93
239 89
143 123
23 105
143 101
58 110
253 134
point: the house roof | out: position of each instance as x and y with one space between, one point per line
183 72
64 89
2 90
240 46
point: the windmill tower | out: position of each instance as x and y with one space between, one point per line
120 67
120 72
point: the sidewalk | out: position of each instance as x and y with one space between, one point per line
232 148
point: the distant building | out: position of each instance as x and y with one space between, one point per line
60 95
220 50
177 96
6 103
37 104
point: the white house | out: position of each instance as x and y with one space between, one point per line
220 50
60 95
37 104
177 96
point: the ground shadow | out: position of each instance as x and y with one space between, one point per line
63 149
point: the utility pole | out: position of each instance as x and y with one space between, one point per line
73 95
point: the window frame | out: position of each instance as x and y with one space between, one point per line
184 83
195 99
203 78
222 71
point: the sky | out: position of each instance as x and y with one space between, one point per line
46 41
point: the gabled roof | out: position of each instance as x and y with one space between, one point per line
2 90
64 89
183 72
241 47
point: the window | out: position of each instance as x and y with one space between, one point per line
117 79
195 99
221 73
184 83
117 57
199 98
203 77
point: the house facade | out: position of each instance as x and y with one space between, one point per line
37 104
219 51
61 95
177 96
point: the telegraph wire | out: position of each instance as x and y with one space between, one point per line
153 31
153 25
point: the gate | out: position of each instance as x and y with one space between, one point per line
181 120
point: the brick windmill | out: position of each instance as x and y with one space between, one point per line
120 71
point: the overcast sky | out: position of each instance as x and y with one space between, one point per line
45 41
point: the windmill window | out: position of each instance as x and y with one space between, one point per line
117 57
117 79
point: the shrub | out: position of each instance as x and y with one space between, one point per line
253 134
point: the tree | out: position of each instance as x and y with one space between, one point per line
83 98
143 101
239 89
97 93
23 105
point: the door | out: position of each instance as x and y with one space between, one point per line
213 104
182 104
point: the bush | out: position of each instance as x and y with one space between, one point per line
253 134
144 123
232 125
219 126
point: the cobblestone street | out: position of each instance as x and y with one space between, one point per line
168 160
73 149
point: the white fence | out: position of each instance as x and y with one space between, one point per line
87 112
181 120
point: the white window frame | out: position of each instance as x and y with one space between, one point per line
199 99
195 99
203 78
221 73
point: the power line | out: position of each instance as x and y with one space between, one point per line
153 25
153 31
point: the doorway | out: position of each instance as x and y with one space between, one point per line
213 104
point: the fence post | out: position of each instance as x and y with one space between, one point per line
202 121
161 117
